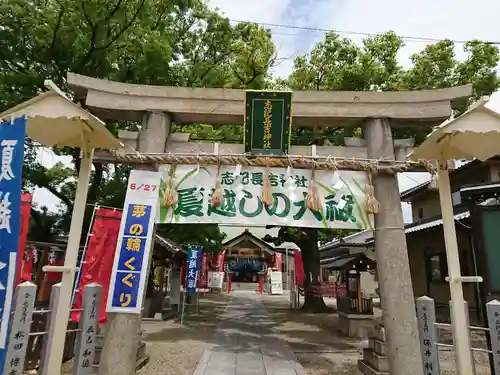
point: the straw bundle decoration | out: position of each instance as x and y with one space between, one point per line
314 202
170 196
267 191
371 204
217 194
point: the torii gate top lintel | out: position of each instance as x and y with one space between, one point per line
116 100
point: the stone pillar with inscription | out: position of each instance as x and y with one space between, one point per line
20 329
122 336
426 314
393 266
493 313
87 337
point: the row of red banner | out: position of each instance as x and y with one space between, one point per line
99 257
98 261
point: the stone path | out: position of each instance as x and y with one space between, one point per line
243 345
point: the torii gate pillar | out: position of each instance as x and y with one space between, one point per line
123 332
393 266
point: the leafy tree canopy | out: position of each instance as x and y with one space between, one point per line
183 43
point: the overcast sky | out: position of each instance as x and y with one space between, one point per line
457 20
440 19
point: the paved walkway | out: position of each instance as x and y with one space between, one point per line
242 343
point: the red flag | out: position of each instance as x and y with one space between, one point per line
99 257
299 268
26 200
203 276
278 258
27 266
220 260
55 277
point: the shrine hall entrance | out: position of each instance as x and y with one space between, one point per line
247 256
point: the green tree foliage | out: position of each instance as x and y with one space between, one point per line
183 43
173 42
337 63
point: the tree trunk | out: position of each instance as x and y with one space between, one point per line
312 276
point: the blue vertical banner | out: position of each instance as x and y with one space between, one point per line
133 248
12 136
192 269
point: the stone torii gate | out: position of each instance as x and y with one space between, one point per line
376 112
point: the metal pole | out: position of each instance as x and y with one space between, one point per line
61 312
184 293
79 272
461 338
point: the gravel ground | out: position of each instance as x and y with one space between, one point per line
447 363
176 349
315 340
322 350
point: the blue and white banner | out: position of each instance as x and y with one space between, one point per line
12 136
133 248
193 268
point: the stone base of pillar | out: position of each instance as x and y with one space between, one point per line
356 325
375 360
142 358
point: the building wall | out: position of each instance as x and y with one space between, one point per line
426 204
494 172
422 245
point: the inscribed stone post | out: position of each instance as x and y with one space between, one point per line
493 311
20 329
426 314
86 341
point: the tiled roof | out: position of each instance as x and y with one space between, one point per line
416 227
366 237
353 240
408 193
168 243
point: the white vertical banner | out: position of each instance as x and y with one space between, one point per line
133 247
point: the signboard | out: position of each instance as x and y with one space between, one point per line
242 204
193 266
215 280
12 137
276 282
130 267
268 121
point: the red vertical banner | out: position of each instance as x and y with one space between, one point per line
27 266
98 262
220 260
203 276
278 260
299 268
26 199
